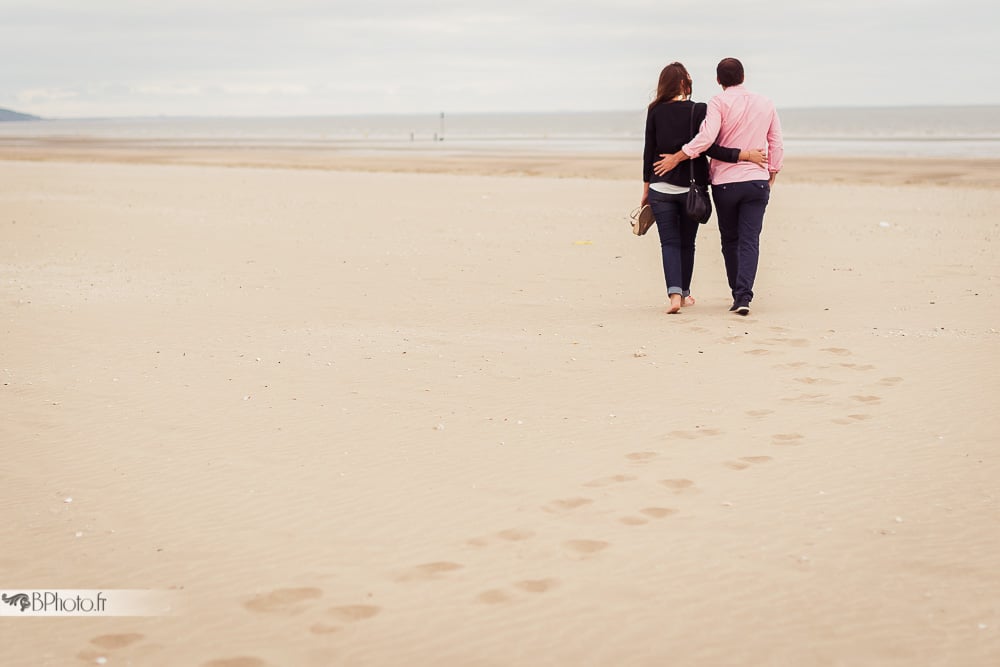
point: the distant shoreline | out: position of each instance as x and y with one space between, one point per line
898 132
455 114
442 157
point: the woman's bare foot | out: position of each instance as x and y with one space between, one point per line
675 304
689 301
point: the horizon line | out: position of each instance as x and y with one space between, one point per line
182 116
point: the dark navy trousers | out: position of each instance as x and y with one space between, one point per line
740 210
677 236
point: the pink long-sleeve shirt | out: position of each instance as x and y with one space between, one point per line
740 118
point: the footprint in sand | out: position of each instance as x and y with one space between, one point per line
890 382
787 438
534 586
679 485
658 512
566 504
807 398
791 364
641 457
867 399
585 547
851 419
493 596
697 433
839 351
810 380
759 413
283 600
515 535
614 479
428 571
859 367
633 521
351 613
651 512
746 461
509 535
791 342
117 641
241 661
757 352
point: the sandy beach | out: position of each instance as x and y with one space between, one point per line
432 412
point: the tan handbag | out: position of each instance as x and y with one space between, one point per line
642 219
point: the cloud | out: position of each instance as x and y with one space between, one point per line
316 57
168 89
265 89
36 96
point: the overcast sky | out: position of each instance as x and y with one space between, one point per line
71 58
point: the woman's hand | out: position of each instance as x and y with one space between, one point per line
755 155
645 195
668 163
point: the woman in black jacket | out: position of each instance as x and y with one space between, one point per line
671 121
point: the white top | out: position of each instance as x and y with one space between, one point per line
668 188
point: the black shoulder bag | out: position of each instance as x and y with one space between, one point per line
698 205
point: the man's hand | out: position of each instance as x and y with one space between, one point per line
771 179
668 163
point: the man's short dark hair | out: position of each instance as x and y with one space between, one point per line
730 72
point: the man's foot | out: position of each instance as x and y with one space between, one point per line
689 301
733 307
743 309
675 304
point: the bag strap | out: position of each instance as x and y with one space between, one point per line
691 161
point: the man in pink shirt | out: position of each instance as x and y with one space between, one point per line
738 117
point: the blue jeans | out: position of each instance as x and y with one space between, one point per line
677 234
740 209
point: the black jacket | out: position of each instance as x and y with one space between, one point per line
668 127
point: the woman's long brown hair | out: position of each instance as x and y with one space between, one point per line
674 81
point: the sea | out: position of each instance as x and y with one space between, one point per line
915 132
